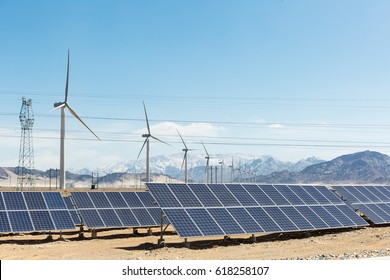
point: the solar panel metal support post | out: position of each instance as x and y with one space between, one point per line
93 234
161 241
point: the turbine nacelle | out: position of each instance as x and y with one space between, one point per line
58 104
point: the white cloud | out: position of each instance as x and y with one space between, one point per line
276 125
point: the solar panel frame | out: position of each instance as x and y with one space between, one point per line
2 204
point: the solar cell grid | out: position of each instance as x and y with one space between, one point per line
34 200
334 199
132 199
223 195
321 212
14 201
351 215
303 195
42 220
274 194
116 200
245 220
92 218
147 199
267 223
127 217
259 195
20 221
367 211
82 200
205 222
378 194
2 205
183 223
318 196
224 220
312 217
100 200
241 195
290 195
340 216
54 200
280 218
110 218
385 191
184 194
164 195
4 222
380 212
62 219
143 217
369 194
206 197
299 220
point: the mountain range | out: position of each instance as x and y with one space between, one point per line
366 167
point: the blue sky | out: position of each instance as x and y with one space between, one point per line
290 79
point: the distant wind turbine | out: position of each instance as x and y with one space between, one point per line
147 136
185 150
207 157
232 171
62 106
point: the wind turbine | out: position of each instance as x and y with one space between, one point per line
147 136
62 106
185 150
207 157
232 170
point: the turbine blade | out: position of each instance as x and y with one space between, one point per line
205 150
184 158
140 151
67 80
155 138
56 108
182 139
80 120
146 117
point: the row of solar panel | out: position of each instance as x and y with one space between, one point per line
33 211
196 222
364 194
116 209
241 195
372 201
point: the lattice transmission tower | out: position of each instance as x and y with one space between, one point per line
26 174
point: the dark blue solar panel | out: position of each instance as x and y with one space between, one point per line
184 195
110 218
116 200
2 205
289 195
280 218
62 219
272 193
183 224
259 195
4 222
147 199
205 222
91 218
385 208
72 210
164 196
345 194
14 201
368 212
380 195
143 217
245 220
369 194
241 195
357 193
42 220
318 196
334 199
385 190
82 200
340 216
303 195
35 200
352 215
156 215
300 221
263 219
326 217
223 194
54 200
132 199
312 217
20 221
69 203
383 213
206 197
225 221
100 200
127 217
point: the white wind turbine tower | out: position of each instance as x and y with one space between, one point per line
147 136
232 171
62 106
185 150
207 157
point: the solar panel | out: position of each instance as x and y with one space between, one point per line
72 210
369 200
117 209
227 209
62 219
4 222
29 211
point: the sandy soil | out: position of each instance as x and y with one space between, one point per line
123 244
